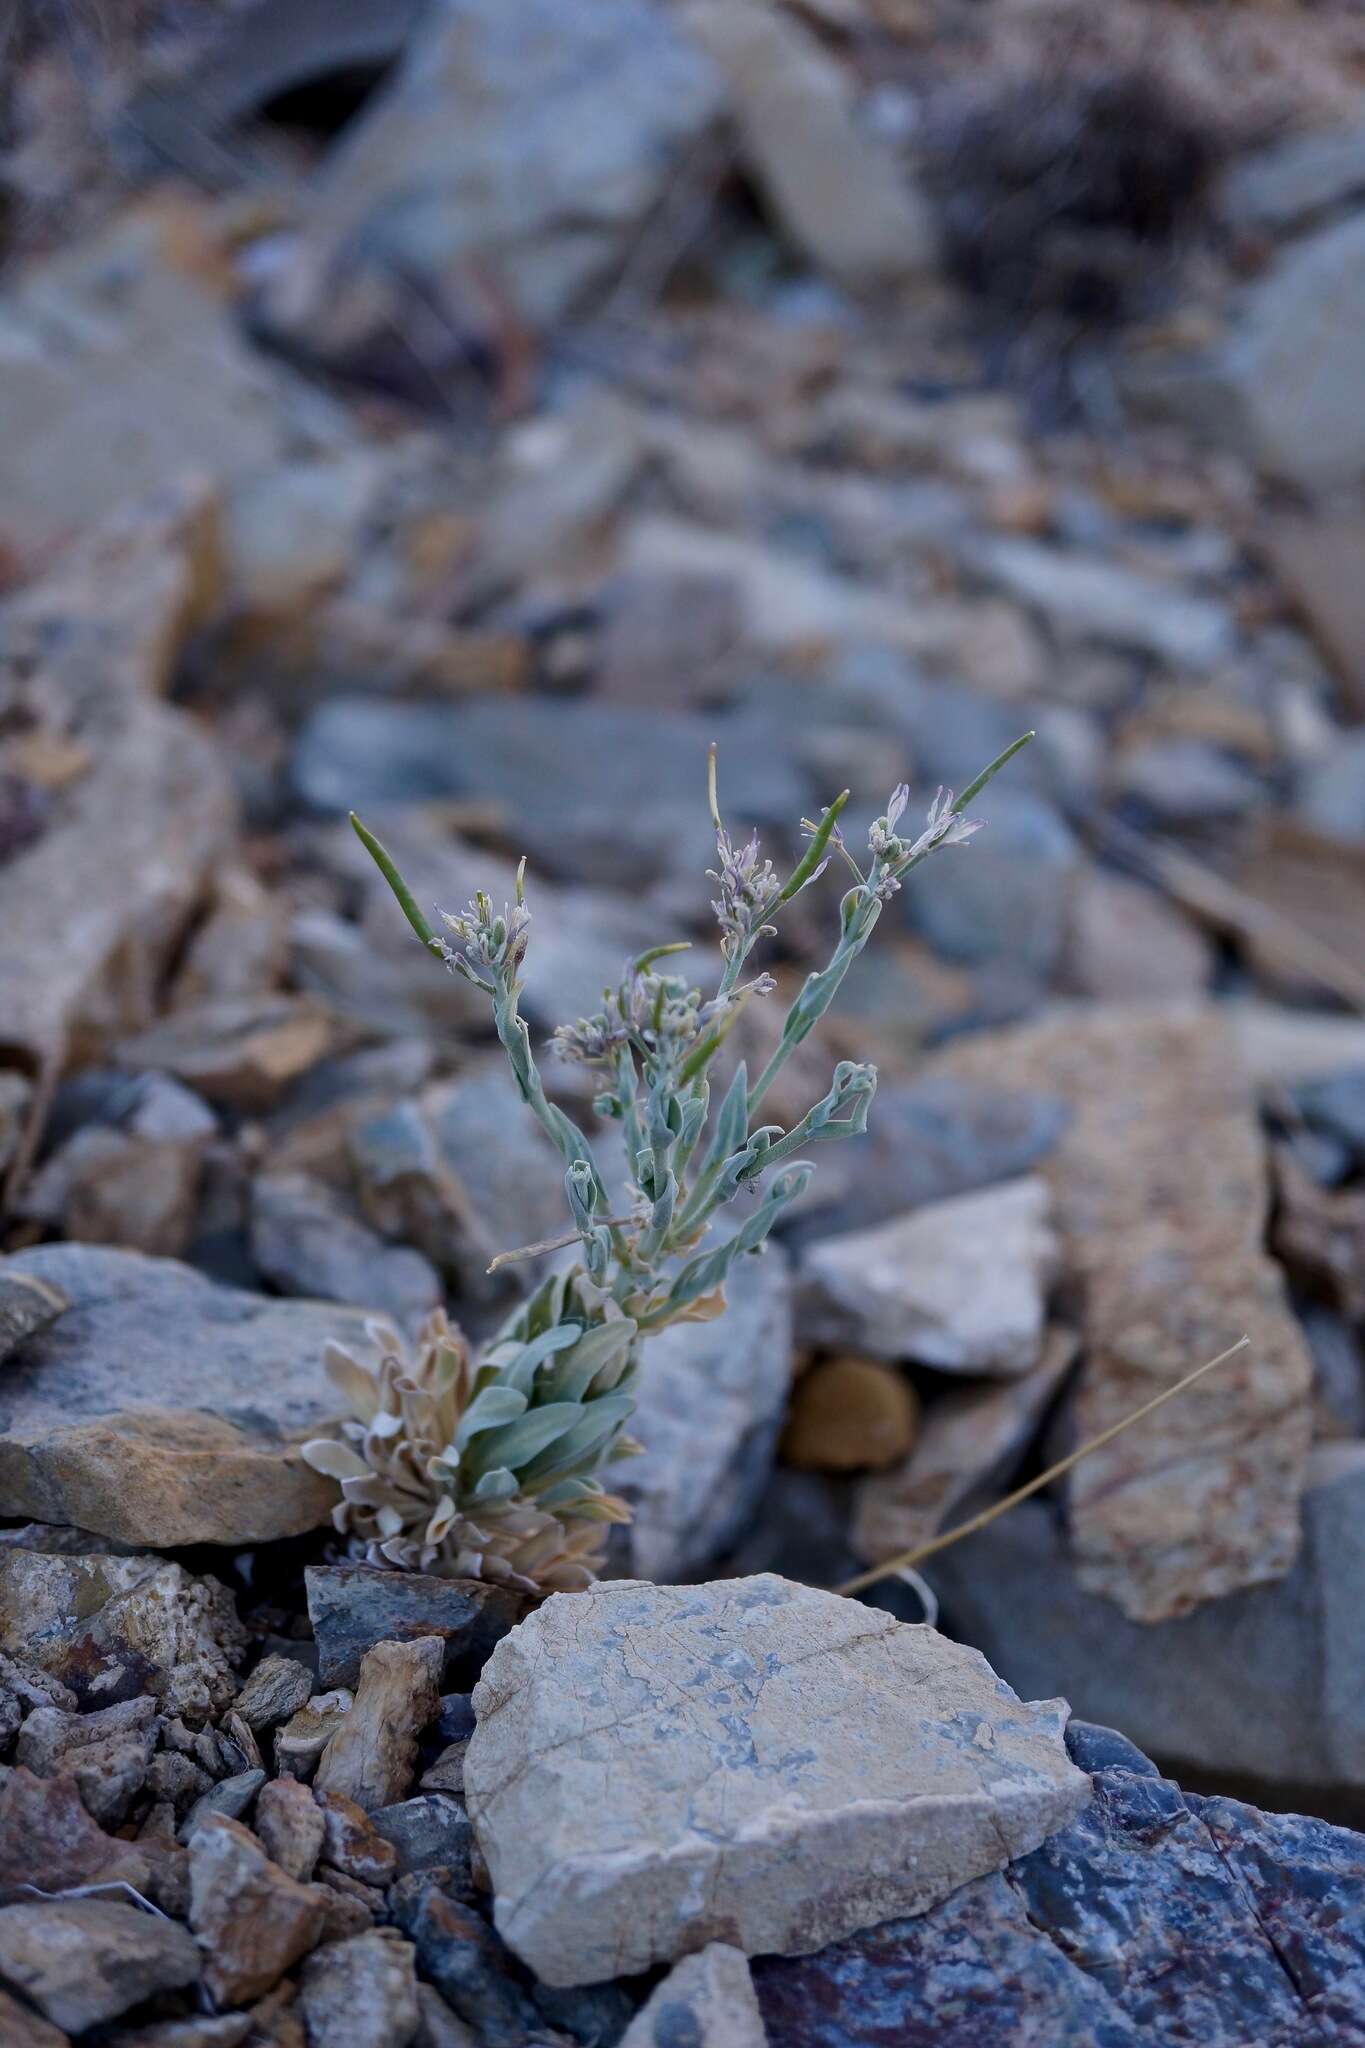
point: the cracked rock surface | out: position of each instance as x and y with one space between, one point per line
750 1761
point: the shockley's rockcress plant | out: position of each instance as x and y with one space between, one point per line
488 1467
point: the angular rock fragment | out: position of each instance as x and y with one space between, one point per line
602 104
162 1409
134 832
252 1921
960 1285
655 1768
177 1780
353 1607
439 2026
372 1755
707 2000
447 1773
305 1240
22 2027
230 1796
929 1141
1181 1686
239 1050
1160 1188
360 1993
354 1906
970 1442
129 1177
1105 601
1155 1918
277 1688
303 1738
351 1843
86 1960
429 1831
114 1628
228 2030
459 1953
105 1753
1319 1235
48 1838
835 189
708 1412
27 1305
105 397
290 1826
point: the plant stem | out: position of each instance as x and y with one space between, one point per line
905 1560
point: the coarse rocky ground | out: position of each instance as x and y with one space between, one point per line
468 412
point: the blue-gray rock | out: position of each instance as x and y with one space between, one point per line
603 793
459 1953
354 1606
1156 1917
746 1761
1338 1371
953 731
544 137
231 1796
1294 181
1003 898
926 1142
1295 1648
1332 796
594 2015
430 1832
1083 597
1336 1105
1188 782
162 1410
709 1407
306 1240
86 1960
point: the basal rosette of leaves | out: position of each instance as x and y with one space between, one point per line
490 1469
486 1470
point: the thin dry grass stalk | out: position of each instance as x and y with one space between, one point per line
905 1560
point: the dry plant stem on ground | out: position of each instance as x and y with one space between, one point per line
490 1468
906 1560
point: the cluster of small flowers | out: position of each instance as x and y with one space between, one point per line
748 891
890 854
494 942
659 1013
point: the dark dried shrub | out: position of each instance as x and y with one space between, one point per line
1065 192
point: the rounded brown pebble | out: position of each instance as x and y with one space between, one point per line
850 1415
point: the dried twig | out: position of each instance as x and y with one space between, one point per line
551 1244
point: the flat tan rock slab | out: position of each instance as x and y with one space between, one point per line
161 1409
1160 1189
656 1768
